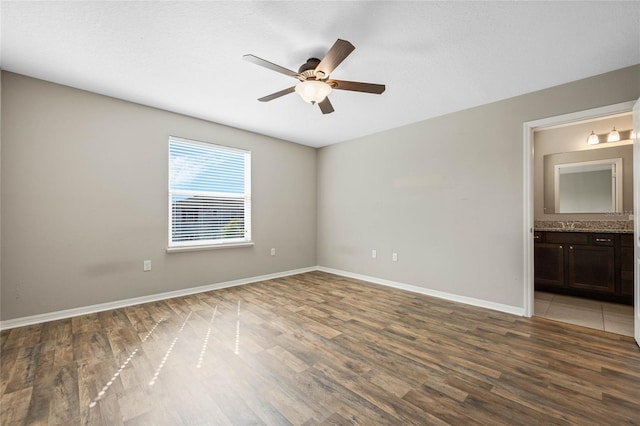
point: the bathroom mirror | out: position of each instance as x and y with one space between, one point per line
588 187
590 181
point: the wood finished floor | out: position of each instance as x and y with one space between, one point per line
315 349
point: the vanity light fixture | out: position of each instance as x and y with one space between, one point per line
614 136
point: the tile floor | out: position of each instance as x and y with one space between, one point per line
605 316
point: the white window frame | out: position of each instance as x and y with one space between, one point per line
246 197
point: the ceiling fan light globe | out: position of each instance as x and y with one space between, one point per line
313 91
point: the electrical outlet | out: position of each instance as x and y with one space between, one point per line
147 266
273 252
394 257
374 254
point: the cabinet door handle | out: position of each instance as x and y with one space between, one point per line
571 247
536 237
603 240
560 247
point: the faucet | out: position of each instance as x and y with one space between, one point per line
569 224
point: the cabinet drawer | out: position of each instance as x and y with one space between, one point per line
567 238
602 239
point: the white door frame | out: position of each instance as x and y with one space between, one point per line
636 213
529 128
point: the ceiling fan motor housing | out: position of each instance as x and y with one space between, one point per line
308 70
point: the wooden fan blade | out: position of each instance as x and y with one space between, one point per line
338 52
325 106
270 65
356 86
277 94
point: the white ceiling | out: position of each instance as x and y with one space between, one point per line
434 57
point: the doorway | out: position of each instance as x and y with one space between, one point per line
566 307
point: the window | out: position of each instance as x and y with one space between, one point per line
209 195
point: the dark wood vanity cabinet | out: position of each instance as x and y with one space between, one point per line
584 264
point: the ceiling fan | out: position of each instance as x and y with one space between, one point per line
315 85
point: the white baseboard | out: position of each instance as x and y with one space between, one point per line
68 313
74 312
515 310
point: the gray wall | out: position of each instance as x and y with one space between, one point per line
84 198
84 201
446 194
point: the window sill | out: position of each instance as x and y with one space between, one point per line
209 247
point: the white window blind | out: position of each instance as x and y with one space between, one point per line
209 194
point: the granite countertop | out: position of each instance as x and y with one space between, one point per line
600 226
601 230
